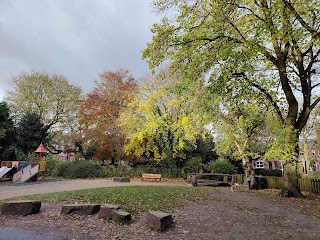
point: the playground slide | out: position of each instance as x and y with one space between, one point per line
28 173
17 176
25 174
4 170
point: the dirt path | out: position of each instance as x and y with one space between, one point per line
245 215
224 215
10 190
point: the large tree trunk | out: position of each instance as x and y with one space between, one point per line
290 177
249 174
290 170
252 173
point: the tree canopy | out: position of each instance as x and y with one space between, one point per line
7 131
51 97
257 44
271 47
101 109
30 133
242 134
160 122
6 123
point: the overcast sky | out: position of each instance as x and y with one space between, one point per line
75 38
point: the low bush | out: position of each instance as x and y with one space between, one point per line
51 164
194 165
221 166
90 169
267 172
79 169
112 171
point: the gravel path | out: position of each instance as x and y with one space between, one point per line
9 190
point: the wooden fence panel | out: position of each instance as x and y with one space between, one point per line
310 185
238 178
306 184
274 182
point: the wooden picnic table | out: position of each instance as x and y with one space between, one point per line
210 179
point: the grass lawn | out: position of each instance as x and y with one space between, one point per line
131 199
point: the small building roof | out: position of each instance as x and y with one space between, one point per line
40 149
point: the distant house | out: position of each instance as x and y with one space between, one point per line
65 156
307 165
270 165
311 163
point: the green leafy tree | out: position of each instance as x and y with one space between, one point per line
6 123
242 134
51 97
205 146
271 47
7 132
30 133
161 123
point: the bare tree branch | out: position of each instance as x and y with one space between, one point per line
263 91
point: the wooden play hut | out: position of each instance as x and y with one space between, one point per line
42 163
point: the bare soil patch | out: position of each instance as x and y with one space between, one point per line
223 215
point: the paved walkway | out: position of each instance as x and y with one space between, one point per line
10 191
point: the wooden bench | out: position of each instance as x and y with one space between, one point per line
151 176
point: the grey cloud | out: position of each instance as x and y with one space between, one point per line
79 38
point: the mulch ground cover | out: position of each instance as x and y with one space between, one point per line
222 214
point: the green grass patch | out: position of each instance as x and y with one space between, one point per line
131 199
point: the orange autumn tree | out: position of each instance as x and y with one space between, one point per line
102 106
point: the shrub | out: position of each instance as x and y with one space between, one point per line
194 165
221 166
62 170
30 158
112 171
267 172
89 169
52 162
79 169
